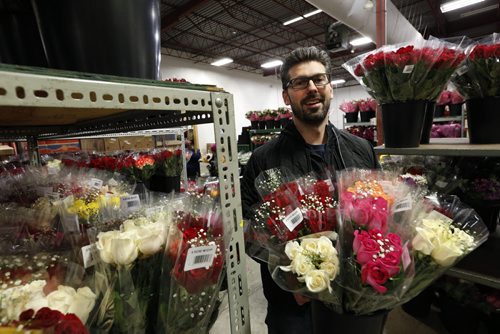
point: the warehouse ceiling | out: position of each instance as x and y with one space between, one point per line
251 32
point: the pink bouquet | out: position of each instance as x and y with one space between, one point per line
349 106
364 105
444 98
456 98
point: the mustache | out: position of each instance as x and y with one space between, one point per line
313 97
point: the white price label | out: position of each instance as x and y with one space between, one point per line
90 255
402 205
71 224
130 203
441 184
408 69
462 70
95 183
439 216
52 170
293 219
200 257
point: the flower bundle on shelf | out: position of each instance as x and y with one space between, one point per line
284 113
349 106
364 106
444 98
170 162
401 73
366 132
193 266
449 130
478 77
252 116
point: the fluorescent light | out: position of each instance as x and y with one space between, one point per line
360 41
221 62
314 12
337 82
298 18
452 5
272 63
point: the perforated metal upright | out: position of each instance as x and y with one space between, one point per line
50 104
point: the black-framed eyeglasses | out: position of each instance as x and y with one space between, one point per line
319 80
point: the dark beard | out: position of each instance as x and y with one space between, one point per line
311 119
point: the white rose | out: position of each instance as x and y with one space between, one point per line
104 245
292 248
83 303
446 254
331 268
301 265
317 281
124 250
61 299
128 225
310 245
150 243
424 241
325 247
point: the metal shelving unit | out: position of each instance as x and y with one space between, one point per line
481 266
41 104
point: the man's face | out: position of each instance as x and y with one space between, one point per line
309 105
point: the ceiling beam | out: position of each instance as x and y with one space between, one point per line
170 20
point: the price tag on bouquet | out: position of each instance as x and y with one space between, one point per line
90 255
200 257
293 219
71 224
95 183
403 204
435 215
408 69
130 203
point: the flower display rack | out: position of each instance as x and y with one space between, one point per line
40 103
481 266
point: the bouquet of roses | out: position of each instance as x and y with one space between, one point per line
291 207
374 246
252 116
479 76
445 231
349 106
144 167
193 266
401 73
170 162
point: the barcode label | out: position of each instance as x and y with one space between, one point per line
200 257
71 224
462 70
52 170
95 183
408 69
439 216
293 219
90 255
403 205
441 184
130 203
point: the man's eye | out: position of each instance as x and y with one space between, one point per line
300 82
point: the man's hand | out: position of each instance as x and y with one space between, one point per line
301 300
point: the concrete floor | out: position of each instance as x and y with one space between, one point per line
398 321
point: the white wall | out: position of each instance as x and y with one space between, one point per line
250 91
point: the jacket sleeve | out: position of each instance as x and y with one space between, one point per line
249 195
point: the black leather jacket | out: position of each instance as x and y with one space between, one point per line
289 150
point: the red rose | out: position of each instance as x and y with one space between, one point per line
45 317
391 262
70 324
26 315
358 71
395 240
314 221
375 274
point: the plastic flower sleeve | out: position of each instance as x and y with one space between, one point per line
374 248
479 76
309 266
443 233
193 267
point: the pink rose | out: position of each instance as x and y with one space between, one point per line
362 212
395 240
390 262
374 273
364 247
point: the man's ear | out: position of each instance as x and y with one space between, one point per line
286 97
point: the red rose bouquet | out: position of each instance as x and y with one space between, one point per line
170 163
52 321
406 73
479 77
192 267
144 167
291 207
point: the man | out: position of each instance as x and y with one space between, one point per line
309 143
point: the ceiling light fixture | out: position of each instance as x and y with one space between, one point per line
314 12
272 63
360 41
452 5
221 62
337 82
368 5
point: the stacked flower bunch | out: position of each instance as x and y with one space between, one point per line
398 73
365 132
350 108
453 100
284 116
367 109
193 265
254 118
447 130
478 78
32 294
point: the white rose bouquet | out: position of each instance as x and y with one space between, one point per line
445 232
308 266
131 261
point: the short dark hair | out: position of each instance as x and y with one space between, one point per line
301 55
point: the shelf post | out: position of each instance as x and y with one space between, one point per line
34 154
229 184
